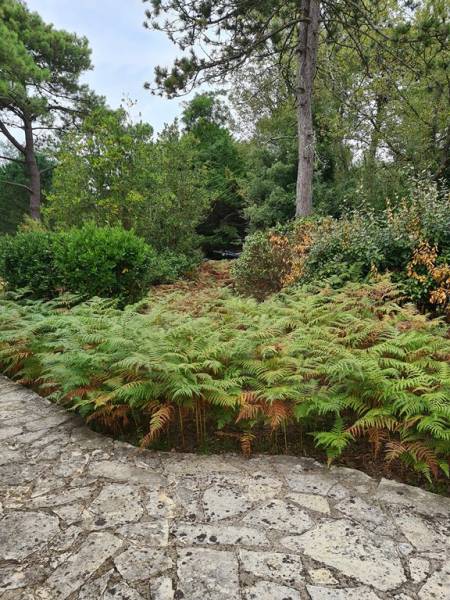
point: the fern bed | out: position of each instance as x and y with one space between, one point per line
334 370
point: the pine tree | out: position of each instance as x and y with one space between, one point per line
218 37
40 90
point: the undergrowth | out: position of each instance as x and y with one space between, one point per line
345 365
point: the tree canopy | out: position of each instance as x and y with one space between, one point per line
112 171
40 88
349 112
390 43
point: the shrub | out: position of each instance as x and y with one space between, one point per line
173 265
90 261
354 240
260 269
350 248
112 172
427 278
272 259
27 261
308 250
385 240
105 261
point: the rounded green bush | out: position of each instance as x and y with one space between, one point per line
27 261
90 261
105 261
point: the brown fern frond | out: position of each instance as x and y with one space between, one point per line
246 443
112 417
250 406
394 450
424 454
80 392
418 451
377 437
278 413
152 406
159 421
249 411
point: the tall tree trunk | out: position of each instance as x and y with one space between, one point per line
377 123
307 55
34 174
444 165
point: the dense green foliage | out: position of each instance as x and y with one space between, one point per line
104 261
381 114
178 190
172 265
90 261
37 60
349 248
263 264
113 172
343 365
27 261
380 94
205 119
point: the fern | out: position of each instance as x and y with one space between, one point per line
345 364
334 441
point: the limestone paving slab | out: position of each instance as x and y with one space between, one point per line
137 564
148 533
310 501
266 590
116 504
224 535
69 576
418 500
121 591
429 536
161 588
354 551
84 517
207 573
419 568
322 577
224 502
22 533
283 568
438 585
358 593
280 515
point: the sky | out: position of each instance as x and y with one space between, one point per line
124 54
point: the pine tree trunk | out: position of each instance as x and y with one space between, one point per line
380 104
34 174
307 55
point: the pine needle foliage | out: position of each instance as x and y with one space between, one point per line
346 364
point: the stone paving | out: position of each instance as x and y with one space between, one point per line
83 517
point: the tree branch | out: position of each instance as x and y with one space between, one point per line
21 185
9 136
47 169
17 160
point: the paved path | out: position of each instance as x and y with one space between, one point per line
83 517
